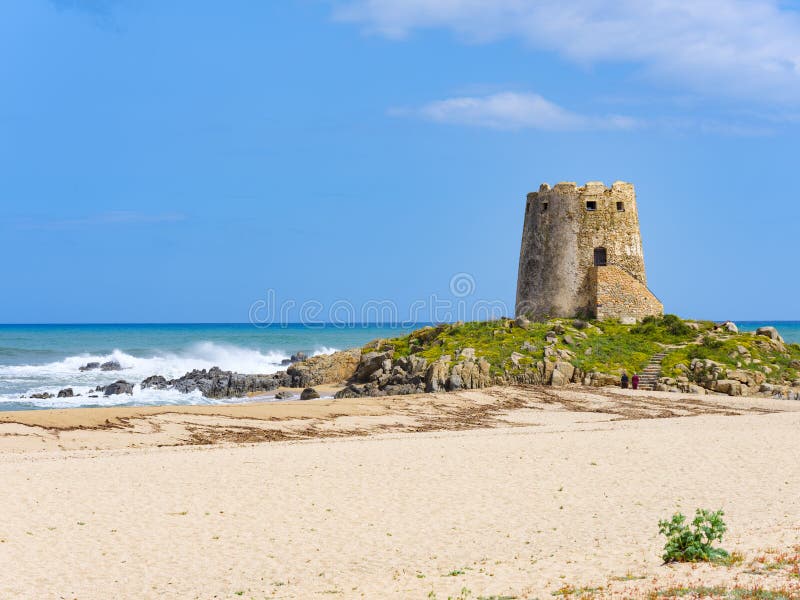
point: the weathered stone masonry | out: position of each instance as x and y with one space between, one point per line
581 254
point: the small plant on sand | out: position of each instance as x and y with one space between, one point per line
693 542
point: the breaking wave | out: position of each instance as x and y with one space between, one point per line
18 382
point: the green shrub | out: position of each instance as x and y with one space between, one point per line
693 542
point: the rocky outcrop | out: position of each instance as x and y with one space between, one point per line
216 383
771 333
118 387
325 368
42 396
156 382
89 366
111 365
65 393
294 358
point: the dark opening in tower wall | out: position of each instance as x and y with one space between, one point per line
591 205
600 257
620 207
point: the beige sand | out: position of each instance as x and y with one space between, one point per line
508 491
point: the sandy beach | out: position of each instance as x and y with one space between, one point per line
506 492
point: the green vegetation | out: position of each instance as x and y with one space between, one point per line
693 542
606 346
744 350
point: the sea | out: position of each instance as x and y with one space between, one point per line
35 359
47 358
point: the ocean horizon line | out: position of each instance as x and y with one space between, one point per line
319 324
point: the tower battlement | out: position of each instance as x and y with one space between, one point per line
569 233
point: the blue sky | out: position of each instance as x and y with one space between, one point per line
172 161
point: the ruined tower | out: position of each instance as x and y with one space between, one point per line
581 254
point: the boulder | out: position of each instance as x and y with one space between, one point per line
770 332
522 322
371 362
728 386
283 395
515 357
156 382
528 347
568 340
65 393
42 396
437 374
89 366
111 365
729 326
469 375
325 368
118 387
309 394
467 353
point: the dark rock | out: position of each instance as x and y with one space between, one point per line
111 365
42 396
298 357
283 395
90 366
156 382
578 324
118 387
309 394
216 383
65 393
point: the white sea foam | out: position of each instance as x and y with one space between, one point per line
19 380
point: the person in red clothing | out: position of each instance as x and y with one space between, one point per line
635 381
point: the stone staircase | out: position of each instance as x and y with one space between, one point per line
648 378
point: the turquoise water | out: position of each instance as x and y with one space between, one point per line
47 358
789 330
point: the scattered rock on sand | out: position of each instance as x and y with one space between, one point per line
309 394
283 395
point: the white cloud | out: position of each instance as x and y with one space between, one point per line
510 110
729 48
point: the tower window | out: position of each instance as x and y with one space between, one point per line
600 257
527 208
544 206
620 207
591 205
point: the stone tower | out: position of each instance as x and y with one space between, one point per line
581 254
